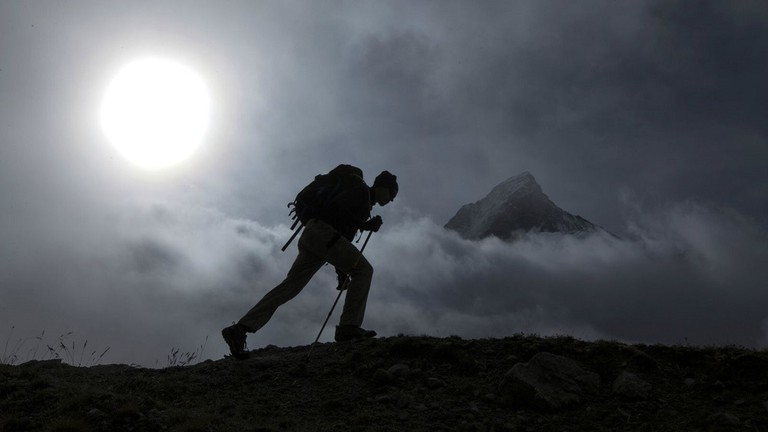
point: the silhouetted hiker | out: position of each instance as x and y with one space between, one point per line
327 238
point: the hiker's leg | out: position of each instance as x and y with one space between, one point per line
302 270
357 293
347 258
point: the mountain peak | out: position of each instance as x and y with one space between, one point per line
514 206
516 184
522 178
525 175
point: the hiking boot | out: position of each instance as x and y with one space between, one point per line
350 332
235 336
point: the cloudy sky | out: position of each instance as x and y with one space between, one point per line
645 117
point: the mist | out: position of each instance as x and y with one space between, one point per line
173 274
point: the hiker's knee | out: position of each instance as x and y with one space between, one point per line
364 268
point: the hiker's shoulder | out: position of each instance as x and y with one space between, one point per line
347 170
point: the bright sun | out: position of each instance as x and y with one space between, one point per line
155 112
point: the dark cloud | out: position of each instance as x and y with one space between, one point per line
669 104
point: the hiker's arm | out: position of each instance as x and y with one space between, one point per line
353 208
372 224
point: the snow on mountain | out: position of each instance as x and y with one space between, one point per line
513 207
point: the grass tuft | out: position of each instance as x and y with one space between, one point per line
62 348
10 357
177 358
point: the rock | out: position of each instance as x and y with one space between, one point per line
716 387
403 402
96 413
548 381
298 370
434 383
641 360
725 419
631 386
261 363
383 377
384 399
746 367
400 370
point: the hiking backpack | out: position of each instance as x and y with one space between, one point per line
313 199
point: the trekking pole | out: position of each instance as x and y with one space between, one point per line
343 287
295 233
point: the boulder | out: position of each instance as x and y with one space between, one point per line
383 377
435 383
400 370
548 382
631 386
724 419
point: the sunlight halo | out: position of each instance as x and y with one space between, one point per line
155 112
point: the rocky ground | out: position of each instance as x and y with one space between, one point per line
520 383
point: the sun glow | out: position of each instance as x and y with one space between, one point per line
155 112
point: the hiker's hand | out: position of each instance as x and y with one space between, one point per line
373 224
341 277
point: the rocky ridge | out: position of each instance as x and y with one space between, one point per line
516 206
519 383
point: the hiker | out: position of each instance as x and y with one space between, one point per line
328 238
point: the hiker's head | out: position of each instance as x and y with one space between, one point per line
385 188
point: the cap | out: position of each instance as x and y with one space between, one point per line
388 180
